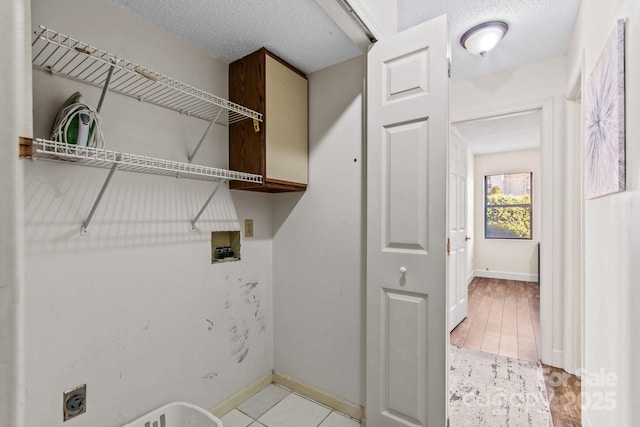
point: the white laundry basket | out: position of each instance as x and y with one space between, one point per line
177 414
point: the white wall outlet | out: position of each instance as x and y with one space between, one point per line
248 228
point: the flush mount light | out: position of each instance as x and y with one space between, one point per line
483 37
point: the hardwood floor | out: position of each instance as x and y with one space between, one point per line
504 318
563 391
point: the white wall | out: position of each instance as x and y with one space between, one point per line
15 121
612 237
502 258
318 255
531 86
136 310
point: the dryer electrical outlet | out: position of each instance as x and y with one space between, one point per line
74 402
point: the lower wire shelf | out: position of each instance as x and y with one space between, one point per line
42 149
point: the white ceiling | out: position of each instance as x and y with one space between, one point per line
300 32
539 29
511 132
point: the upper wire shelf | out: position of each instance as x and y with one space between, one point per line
75 60
98 157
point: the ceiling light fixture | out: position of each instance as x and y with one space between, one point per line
483 37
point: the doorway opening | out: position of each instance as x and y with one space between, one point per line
503 210
503 283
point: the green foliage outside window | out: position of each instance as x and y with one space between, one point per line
507 216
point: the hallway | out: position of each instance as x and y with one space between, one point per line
504 318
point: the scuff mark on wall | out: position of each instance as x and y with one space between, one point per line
239 337
253 296
209 375
211 324
250 285
243 355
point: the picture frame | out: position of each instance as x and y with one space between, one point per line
605 164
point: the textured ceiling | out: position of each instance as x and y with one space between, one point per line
300 32
498 134
539 29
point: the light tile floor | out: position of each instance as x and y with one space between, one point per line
276 406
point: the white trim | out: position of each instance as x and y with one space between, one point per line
558 360
586 418
241 395
506 275
471 276
322 396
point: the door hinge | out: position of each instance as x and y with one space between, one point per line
449 68
448 246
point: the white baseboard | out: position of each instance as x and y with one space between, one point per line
242 395
586 418
471 276
341 405
558 359
492 274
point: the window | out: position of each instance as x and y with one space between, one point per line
507 206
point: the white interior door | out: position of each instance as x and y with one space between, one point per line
457 245
407 133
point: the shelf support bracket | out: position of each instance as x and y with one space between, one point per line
195 150
105 88
215 190
85 225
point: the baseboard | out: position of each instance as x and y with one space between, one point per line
471 276
341 405
492 274
242 395
558 359
586 418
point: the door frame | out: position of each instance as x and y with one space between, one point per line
550 274
574 301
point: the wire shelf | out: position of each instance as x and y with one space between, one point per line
98 157
75 60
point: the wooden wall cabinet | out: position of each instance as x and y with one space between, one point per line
279 150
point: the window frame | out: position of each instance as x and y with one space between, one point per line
529 205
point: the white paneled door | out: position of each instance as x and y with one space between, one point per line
457 244
407 134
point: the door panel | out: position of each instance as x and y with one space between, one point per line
406 75
405 185
407 136
406 379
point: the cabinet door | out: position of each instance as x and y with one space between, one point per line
286 123
279 149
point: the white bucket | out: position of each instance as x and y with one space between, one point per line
177 414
